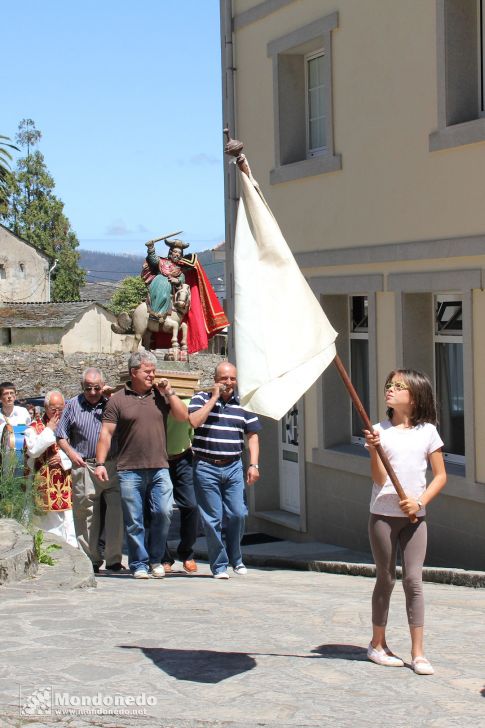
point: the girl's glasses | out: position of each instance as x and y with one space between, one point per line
398 386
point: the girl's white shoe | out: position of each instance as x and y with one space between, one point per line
383 657
422 666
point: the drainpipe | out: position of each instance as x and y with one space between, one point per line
230 178
49 281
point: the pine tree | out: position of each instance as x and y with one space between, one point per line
35 214
5 173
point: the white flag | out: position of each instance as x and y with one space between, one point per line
283 339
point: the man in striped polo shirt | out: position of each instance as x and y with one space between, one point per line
77 434
220 424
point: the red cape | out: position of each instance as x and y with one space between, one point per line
206 316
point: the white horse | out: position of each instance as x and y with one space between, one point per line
143 324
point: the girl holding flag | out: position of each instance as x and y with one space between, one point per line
410 440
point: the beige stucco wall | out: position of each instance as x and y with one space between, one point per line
92 333
32 284
479 381
391 188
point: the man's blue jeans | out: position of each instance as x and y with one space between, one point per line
182 479
146 492
220 494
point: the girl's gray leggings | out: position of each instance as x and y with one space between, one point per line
385 533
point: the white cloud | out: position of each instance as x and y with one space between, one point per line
202 158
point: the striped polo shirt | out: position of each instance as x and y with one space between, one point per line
80 423
222 434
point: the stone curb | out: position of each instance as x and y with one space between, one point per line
436 575
17 558
72 568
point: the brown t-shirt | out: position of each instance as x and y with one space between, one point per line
141 426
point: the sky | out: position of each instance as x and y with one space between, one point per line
127 96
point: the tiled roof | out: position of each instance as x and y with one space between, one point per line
101 291
52 315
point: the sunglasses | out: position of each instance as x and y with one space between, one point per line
92 389
398 386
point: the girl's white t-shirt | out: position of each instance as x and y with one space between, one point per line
408 450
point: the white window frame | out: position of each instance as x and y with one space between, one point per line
448 338
481 55
314 151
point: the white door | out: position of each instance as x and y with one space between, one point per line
289 460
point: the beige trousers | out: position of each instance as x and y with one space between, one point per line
86 501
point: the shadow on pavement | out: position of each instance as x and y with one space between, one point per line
202 666
212 666
341 652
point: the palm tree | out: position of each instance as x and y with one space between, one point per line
5 159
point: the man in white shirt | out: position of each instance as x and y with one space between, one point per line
9 411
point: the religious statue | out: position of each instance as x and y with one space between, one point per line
180 300
163 276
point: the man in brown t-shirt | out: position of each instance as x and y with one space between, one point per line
138 414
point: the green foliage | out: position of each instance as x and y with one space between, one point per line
131 292
42 552
16 499
5 173
37 215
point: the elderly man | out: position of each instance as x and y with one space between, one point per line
138 415
77 434
220 423
50 470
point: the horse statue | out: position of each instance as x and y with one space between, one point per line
142 322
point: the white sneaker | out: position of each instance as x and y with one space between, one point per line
158 571
383 657
221 575
141 574
240 569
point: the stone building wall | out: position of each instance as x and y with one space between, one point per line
24 270
36 370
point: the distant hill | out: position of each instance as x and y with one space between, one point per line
108 266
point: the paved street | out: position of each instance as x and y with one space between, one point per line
275 648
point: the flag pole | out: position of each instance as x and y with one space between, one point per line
234 148
368 426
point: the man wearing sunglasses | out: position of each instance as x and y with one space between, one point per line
77 434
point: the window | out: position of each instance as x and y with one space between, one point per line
22 270
359 359
315 105
448 345
3 273
461 77
302 94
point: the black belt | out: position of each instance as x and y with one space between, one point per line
217 461
174 458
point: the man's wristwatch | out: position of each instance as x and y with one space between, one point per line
420 504
98 465
253 465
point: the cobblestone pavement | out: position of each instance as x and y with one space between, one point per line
275 648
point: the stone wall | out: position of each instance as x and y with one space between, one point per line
36 370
